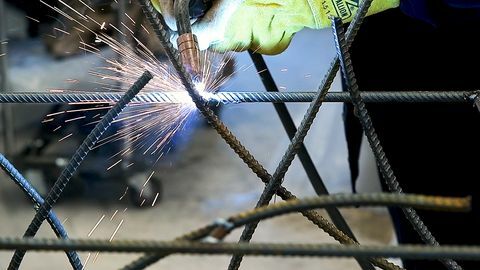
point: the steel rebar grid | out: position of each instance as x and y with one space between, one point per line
377 149
159 26
82 151
241 97
307 163
299 136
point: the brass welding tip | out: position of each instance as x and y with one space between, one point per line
190 54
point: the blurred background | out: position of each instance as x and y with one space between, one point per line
198 180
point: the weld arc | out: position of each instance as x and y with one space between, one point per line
382 160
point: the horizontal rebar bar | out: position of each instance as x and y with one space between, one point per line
240 97
255 249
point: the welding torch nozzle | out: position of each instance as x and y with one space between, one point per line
190 54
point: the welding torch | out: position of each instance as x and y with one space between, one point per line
186 11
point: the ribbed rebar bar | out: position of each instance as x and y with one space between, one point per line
253 249
241 97
342 200
82 151
380 156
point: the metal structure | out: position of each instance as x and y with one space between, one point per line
205 240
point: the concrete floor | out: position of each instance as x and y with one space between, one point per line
207 180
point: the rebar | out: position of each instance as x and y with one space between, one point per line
342 200
253 249
380 156
241 97
82 151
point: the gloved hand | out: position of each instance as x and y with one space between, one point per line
266 26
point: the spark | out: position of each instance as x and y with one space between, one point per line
116 230
141 124
86 5
125 210
102 27
47 120
64 138
57 128
60 30
148 179
145 29
126 27
284 70
93 20
86 261
75 119
89 109
78 29
3 54
96 225
261 71
56 90
143 202
114 214
114 164
124 193
130 18
118 30
65 220
72 9
155 200
56 113
33 19
72 81
96 256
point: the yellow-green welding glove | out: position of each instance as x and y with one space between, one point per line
266 26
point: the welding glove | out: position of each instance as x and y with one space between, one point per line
266 26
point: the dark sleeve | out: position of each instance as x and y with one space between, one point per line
437 13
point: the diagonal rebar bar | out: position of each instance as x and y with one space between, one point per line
380 156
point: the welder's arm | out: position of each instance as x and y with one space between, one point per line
266 26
